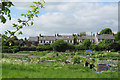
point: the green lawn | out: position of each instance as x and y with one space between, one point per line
42 71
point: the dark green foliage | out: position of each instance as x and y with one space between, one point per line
5 10
106 31
12 49
94 47
61 46
79 47
83 34
105 45
117 36
87 43
27 48
43 47
75 38
115 46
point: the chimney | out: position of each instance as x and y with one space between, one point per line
57 34
73 34
97 33
78 34
93 34
113 33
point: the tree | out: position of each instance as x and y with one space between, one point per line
83 34
75 39
87 43
60 46
105 45
115 46
94 47
106 31
80 47
117 36
28 21
5 5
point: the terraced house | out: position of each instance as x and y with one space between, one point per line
46 40
104 36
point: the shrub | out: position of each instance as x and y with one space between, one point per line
44 48
11 49
79 47
61 46
27 48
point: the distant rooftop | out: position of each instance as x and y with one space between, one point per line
105 36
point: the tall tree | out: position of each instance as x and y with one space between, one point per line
75 39
83 34
106 31
117 36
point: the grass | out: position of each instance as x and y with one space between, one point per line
49 71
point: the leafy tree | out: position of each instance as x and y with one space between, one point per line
115 46
117 36
106 31
94 47
75 38
80 47
28 21
5 5
60 46
87 43
105 44
83 34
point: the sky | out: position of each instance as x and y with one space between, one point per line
66 17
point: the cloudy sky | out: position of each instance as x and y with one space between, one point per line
66 17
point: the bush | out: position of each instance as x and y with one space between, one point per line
61 46
27 48
44 48
113 50
11 49
79 47
118 51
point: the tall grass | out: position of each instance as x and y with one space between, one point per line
51 71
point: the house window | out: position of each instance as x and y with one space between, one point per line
41 41
70 41
44 41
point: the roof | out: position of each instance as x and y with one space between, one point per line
33 39
105 36
63 37
66 37
47 38
86 37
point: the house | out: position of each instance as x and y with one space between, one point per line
33 41
46 40
80 39
67 38
52 39
101 37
